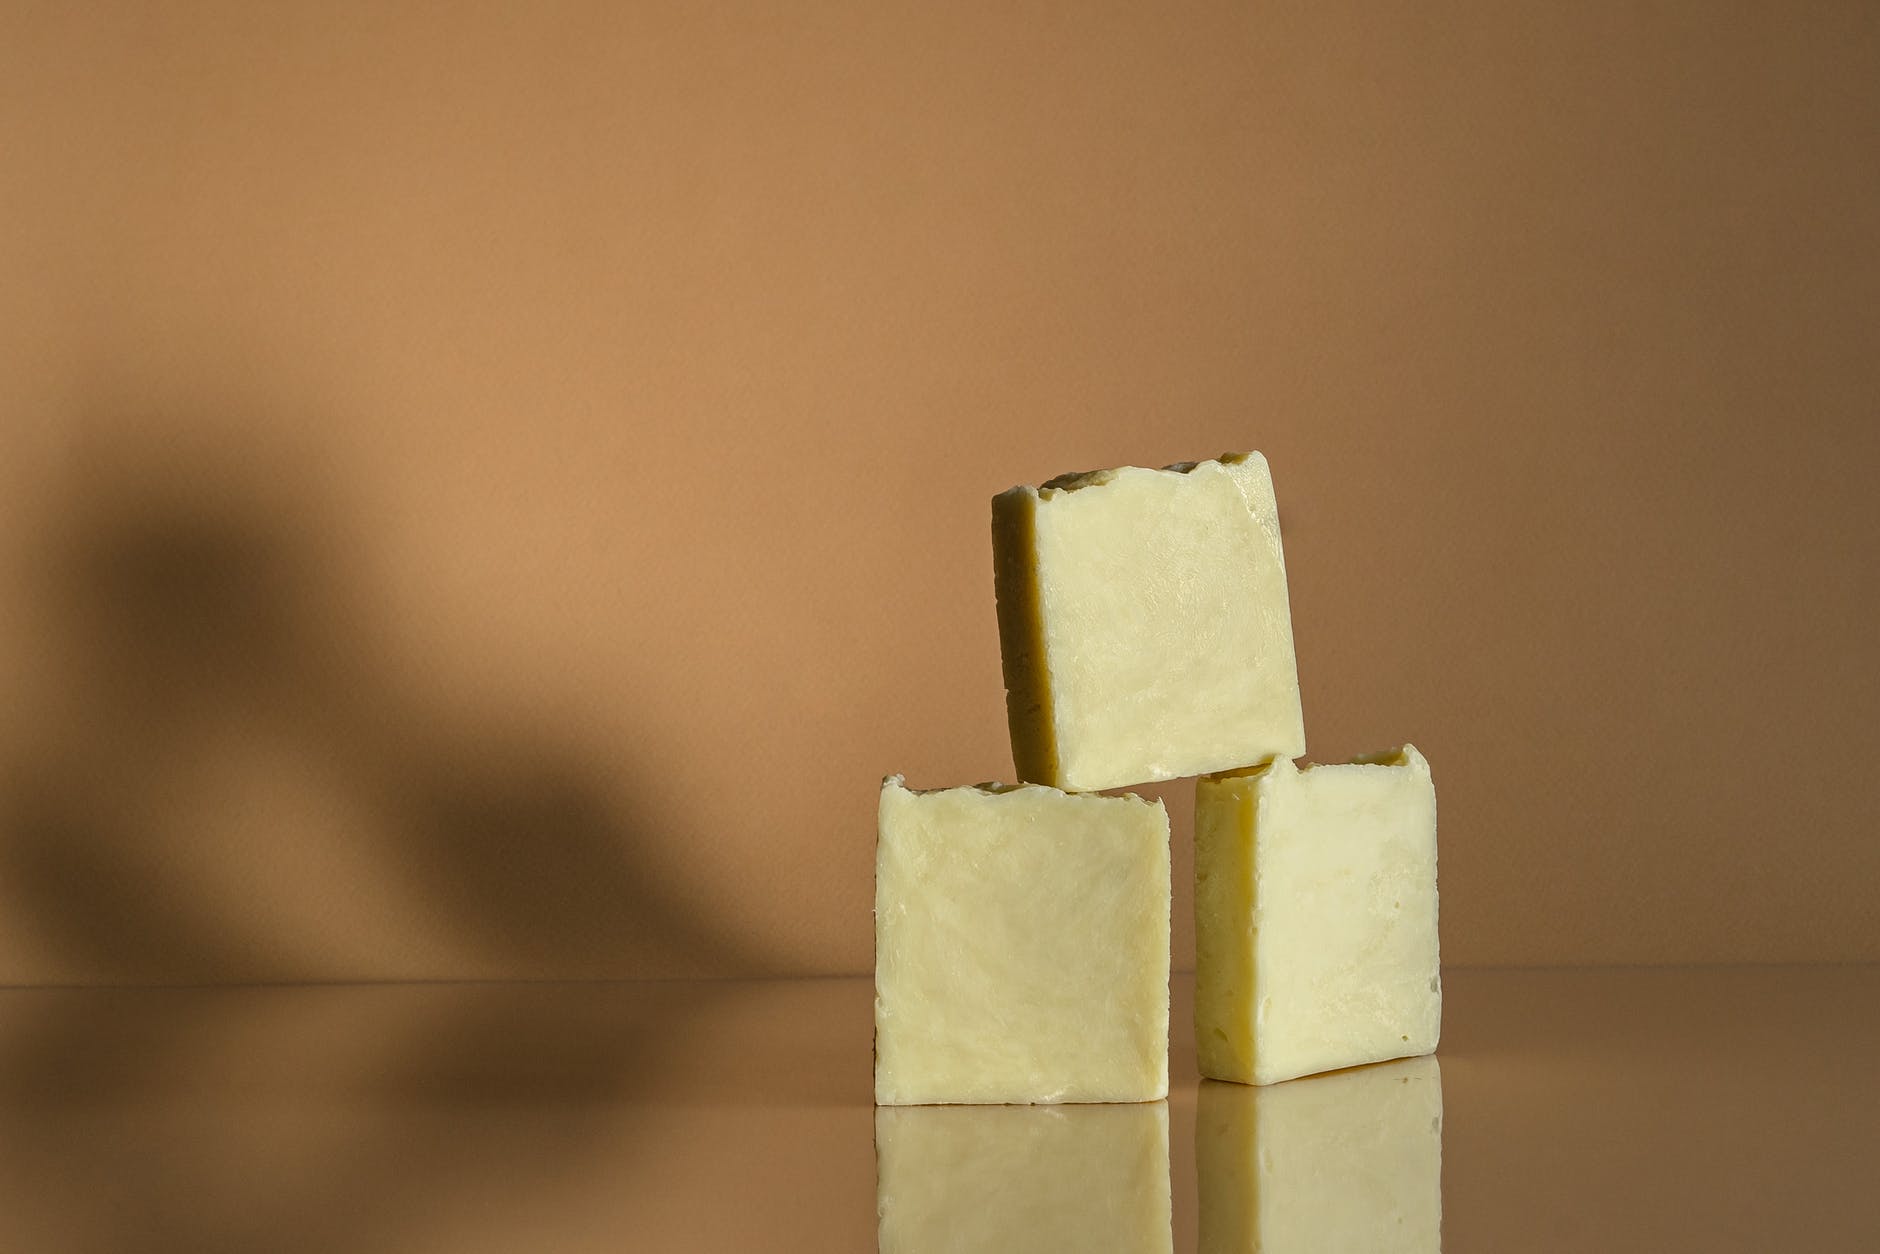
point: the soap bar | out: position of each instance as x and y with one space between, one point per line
1021 946
1315 917
1352 1161
1001 1178
1144 624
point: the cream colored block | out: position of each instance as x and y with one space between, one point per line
1352 1161
1144 624
1315 917
1021 946
1076 1179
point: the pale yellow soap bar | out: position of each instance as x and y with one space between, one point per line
1315 917
1021 946
1008 1178
1144 624
1352 1161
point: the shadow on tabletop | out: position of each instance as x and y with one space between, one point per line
389 1117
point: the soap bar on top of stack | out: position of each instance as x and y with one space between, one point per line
1315 917
1021 946
1144 624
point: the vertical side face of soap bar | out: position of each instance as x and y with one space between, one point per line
1351 1161
1145 624
1028 709
1023 1178
1316 918
1021 947
1224 925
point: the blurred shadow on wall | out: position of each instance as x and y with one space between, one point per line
196 585
195 574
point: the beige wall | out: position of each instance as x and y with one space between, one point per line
488 494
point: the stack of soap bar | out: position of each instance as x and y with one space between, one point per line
1352 1161
1021 946
1023 1178
1144 624
1315 917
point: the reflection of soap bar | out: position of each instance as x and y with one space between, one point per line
1021 946
1144 624
1315 917
1352 1161
1004 1178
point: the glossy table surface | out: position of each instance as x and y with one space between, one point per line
1716 1109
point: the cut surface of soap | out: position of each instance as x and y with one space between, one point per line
1315 917
1352 1161
1021 946
1002 1178
1144 624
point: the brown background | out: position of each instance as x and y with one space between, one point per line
486 492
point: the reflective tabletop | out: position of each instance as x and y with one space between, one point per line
1715 1109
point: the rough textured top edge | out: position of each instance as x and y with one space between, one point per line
995 788
1254 771
1402 756
1080 479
